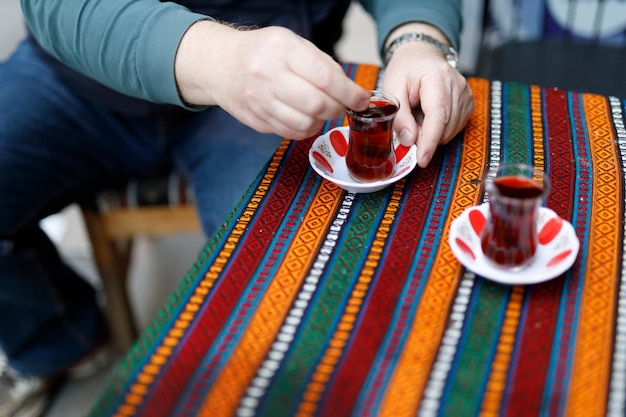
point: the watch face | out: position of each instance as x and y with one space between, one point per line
453 60
452 57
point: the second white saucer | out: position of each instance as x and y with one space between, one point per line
556 252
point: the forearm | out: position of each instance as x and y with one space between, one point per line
127 45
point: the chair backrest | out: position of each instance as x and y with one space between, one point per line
585 21
571 44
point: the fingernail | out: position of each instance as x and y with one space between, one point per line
425 160
405 137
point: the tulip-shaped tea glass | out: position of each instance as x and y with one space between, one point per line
370 155
509 238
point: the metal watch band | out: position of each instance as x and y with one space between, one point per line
450 53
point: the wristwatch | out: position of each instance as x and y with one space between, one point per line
450 53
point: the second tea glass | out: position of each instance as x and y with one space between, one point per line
509 238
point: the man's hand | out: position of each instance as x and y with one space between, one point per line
270 79
435 99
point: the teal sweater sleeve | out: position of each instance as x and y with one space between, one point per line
130 46
389 14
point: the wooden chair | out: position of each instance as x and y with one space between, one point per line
154 208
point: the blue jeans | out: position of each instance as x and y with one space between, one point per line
57 148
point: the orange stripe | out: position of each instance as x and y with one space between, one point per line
163 353
504 352
412 370
366 76
591 365
536 117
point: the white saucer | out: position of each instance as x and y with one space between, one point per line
327 157
556 252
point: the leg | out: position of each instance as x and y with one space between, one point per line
54 149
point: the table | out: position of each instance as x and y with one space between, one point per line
316 302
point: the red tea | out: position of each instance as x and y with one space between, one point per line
510 236
518 187
370 154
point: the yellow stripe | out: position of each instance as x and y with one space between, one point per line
274 306
242 223
366 76
411 372
592 361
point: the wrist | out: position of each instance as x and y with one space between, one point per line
417 32
195 61
448 52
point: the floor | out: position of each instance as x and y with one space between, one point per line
157 264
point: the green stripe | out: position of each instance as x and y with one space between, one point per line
517 122
477 350
305 353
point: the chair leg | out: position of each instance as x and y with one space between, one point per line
112 263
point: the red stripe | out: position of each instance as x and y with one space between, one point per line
528 384
210 320
387 288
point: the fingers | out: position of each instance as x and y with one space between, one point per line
307 98
322 72
282 119
405 124
444 117
424 115
435 101
305 87
292 94
437 104
295 109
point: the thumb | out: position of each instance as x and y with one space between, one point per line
405 126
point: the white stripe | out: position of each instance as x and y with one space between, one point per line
449 345
617 387
267 370
495 154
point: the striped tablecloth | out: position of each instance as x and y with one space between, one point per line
317 302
